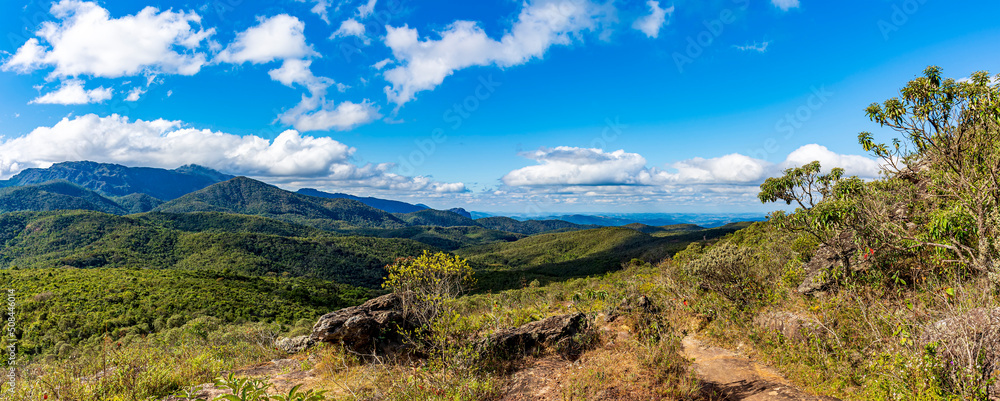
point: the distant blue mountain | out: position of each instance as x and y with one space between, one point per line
707 220
118 181
390 206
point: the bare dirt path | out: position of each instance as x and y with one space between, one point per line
727 375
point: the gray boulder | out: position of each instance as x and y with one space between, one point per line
373 326
294 345
793 326
555 331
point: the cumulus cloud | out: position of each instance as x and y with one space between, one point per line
569 177
72 92
134 94
296 72
651 24
276 38
566 165
785 5
281 37
290 157
314 112
85 40
424 64
570 166
343 116
852 164
366 10
349 28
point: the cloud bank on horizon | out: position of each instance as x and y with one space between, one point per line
87 54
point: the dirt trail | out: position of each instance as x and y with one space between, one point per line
727 375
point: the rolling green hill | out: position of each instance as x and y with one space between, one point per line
530 227
242 195
446 238
557 256
214 242
438 218
55 195
671 229
137 203
226 222
387 205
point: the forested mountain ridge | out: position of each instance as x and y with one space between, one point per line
117 180
247 196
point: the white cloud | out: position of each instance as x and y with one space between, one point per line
345 116
366 10
279 37
569 178
294 72
320 9
349 28
852 164
381 64
314 112
87 41
570 166
288 158
72 92
760 47
424 64
785 5
578 166
651 24
134 94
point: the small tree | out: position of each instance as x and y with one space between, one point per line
950 156
815 193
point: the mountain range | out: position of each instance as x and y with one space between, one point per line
117 180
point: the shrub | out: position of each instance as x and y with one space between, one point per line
429 281
736 273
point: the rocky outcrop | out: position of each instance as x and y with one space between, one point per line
818 271
294 345
373 326
793 326
556 331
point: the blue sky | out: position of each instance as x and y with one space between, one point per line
500 106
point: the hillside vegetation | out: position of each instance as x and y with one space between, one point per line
56 195
447 238
439 218
390 206
214 242
558 256
72 308
529 227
